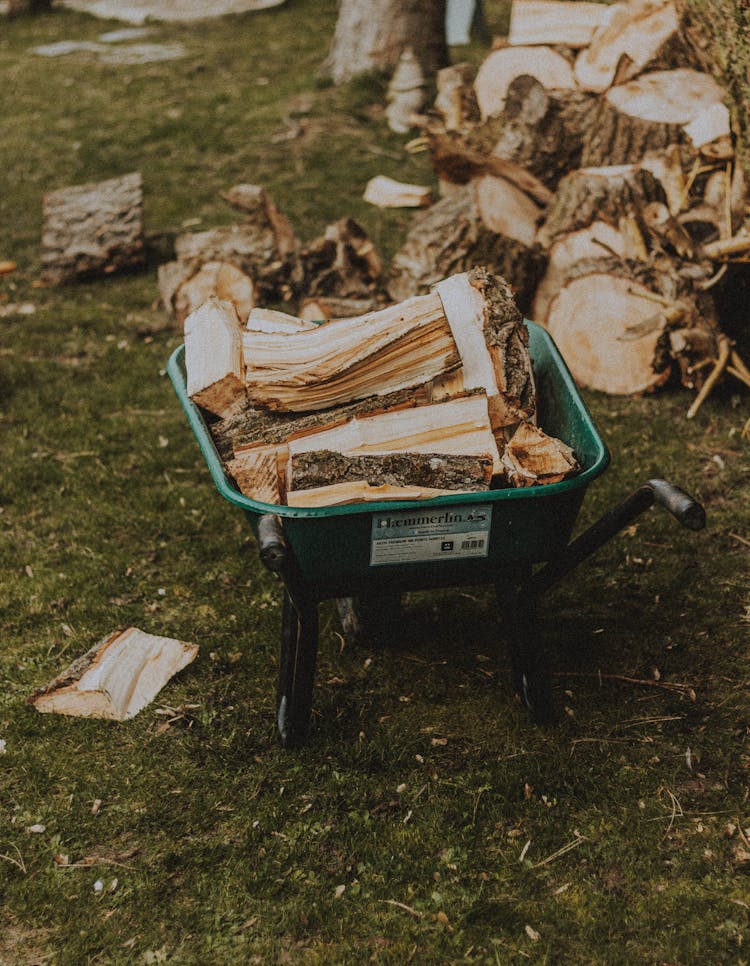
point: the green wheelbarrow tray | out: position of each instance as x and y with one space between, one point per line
366 555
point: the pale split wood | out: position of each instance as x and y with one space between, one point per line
384 192
531 458
220 279
213 357
501 68
117 678
342 494
568 23
321 308
271 320
508 211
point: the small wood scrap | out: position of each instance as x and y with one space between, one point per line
406 93
532 457
411 401
117 678
342 262
93 229
590 161
7 267
384 192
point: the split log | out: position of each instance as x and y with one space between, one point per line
263 246
542 130
257 473
598 194
269 320
436 471
531 458
647 114
343 262
220 279
117 678
360 491
507 211
94 228
456 100
386 192
571 23
637 38
500 69
452 236
213 357
711 133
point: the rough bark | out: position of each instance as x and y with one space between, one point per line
94 228
342 262
371 35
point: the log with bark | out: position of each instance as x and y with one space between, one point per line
503 66
93 229
343 262
117 678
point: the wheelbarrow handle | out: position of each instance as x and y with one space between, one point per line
680 504
272 545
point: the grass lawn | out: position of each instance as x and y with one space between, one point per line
428 820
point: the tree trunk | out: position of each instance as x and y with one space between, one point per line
372 35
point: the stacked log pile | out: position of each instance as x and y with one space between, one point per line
426 397
590 161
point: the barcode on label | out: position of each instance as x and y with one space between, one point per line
471 544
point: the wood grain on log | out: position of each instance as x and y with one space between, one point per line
213 357
531 458
94 228
566 23
220 279
638 37
500 69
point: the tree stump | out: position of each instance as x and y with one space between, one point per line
91 229
371 35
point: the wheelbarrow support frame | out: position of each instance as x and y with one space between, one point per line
518 591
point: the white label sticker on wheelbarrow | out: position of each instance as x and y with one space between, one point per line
450 533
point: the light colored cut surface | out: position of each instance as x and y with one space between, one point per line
532 457
116 678
507 210
565 22
257 473
141 11
386 192
710 125
225 281
635 32
501 68
666 96
340 494
269 320
213 356
589 320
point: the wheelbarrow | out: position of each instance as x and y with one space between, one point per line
366 555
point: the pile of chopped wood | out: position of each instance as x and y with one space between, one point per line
426 397
590 162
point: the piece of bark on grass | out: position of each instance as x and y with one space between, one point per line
117 678
647 114
213 357
92 229
342 262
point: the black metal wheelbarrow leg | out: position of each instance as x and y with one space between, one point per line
531 675
298 648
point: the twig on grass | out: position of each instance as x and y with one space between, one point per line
402 905
725 352
562 851
675 686
739 539
19 862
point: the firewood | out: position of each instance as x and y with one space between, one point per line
269 320
257 473
666 167
360 491
450 237
343 262
386 192
263 246
591 319
436 471
647 114
542 130
501 68
221 279
94 228
117 678
456 100
553 22
666 230
598 194
213 357
711 133
534 458
637 37
507 211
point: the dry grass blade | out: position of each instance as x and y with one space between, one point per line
562 851
402 905
19 862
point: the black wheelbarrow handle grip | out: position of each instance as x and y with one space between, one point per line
272 544
680 504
